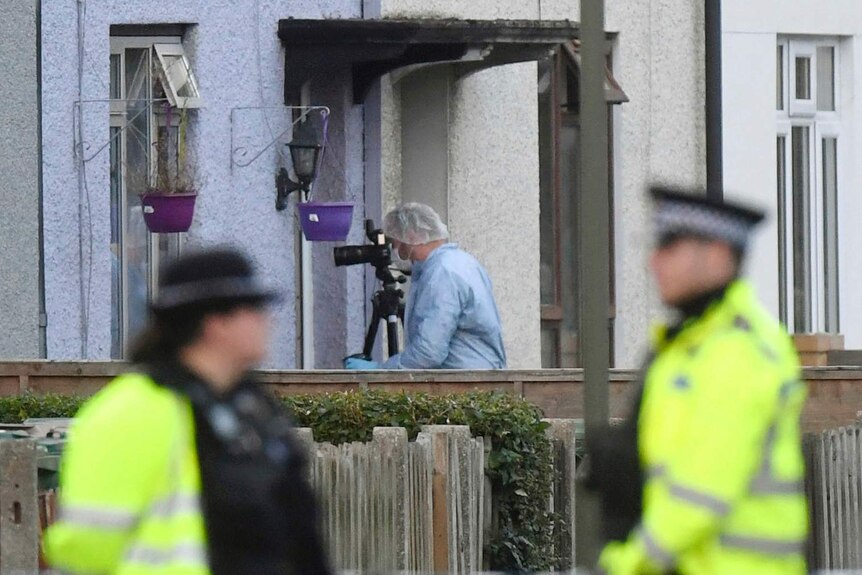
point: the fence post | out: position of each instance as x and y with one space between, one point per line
439 495
448 553
561 434
305 438
462 538
19 511
489 523
392 445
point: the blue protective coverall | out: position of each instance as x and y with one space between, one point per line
451 318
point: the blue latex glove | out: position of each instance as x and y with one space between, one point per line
359 363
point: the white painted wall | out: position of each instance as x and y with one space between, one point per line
750 34
749 148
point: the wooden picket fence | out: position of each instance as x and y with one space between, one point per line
392 505
389 505
834 490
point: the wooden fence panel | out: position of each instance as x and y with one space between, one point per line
834 490
393 506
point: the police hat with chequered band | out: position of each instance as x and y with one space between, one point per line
209 277
691 214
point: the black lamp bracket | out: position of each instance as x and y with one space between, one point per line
240 155
285 186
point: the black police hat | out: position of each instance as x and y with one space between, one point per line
208 276
691 214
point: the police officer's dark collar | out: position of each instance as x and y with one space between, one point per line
243 418
696 306
174 374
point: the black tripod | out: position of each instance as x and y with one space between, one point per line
388 306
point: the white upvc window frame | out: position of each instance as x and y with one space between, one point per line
801 49
822 124
174 79
119 120
823 130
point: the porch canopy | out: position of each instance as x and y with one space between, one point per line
373 48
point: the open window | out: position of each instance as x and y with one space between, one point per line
176 74
151 89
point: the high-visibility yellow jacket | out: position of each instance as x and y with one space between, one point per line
720 442
129 496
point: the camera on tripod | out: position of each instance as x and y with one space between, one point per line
378 254
388 302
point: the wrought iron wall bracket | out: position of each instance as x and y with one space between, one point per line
80 146
238 154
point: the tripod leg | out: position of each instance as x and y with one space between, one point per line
392 334
371 334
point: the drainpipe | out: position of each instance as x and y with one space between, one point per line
43 314
714 164
306 275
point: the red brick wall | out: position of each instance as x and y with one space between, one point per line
835 393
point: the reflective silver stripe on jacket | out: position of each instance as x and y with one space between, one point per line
656 471
699 498
183 553
765 482
762 545
97 517
656 552
762 485
119 520
176 504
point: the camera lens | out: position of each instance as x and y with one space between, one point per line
351 255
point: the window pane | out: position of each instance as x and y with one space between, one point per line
116 87
570 141
116 245
550 346
180 86
826 78
138 143
803 78
802 288
179 76
547 197
782 228
779 79
830 232
168 175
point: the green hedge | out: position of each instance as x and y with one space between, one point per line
519 465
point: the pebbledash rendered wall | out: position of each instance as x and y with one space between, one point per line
19 181
492 192
238 61
493 203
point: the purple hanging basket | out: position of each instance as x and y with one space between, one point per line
325 221
168 213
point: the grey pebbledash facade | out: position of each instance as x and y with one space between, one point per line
237 57
20 281
465 143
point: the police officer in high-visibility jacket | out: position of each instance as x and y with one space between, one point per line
185 466
717 419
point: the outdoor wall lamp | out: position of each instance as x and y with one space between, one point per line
306 152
